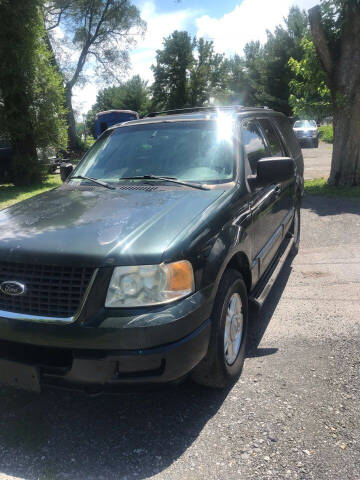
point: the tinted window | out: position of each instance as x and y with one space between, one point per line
254 145
194 151
272 138
288 134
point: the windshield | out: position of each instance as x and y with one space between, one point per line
196 151
305 124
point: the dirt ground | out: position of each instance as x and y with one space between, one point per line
317 161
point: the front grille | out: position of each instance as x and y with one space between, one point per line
51 291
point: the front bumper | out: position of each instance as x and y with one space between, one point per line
113 349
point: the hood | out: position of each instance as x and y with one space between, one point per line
98 227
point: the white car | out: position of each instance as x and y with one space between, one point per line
307 132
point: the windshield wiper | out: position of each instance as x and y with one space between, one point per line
167 179
94 180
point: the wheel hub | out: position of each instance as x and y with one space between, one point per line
233 328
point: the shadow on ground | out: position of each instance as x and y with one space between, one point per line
69 435
260 319
323 205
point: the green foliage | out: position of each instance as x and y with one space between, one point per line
47 107
133 94
326 133
32 113
309 94
284 43
189 72
172 71
98 31
87 143
208 73
319 186
262 75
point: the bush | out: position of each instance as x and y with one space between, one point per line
326 133
87 143
24 173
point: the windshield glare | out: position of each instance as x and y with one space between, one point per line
305 124
191 151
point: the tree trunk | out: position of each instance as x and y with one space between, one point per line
73 140
343 71
345 165
345 168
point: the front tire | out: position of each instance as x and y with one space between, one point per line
316 143
224 360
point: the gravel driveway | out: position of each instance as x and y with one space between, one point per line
317 161
295 412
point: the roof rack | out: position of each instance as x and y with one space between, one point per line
213 108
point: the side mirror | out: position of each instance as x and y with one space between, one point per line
66 169
273 170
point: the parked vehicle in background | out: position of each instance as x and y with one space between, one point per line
108 118
140 267
307 132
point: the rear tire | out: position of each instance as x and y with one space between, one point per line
225 357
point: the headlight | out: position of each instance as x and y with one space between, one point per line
145 285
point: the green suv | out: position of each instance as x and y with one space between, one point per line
139 268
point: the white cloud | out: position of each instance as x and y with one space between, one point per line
248 21
84 98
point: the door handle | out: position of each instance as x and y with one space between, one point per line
277 190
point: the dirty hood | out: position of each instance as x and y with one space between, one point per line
99 227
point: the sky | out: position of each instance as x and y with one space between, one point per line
229 23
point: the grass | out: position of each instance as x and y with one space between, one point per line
326 133
9 194
319 186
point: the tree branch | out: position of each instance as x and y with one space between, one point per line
90 40
57 23
320 40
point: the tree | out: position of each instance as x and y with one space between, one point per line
335 27
188 73
268 71
207 73
262 75
103 31
172 71
130 95
237 89
32 112
309 94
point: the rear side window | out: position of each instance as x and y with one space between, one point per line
272 137
254 144
291 141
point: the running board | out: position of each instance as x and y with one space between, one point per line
262 290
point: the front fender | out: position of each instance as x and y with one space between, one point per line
233 239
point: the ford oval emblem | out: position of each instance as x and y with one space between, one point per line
12 288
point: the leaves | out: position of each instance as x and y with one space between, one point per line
309 95
32 88
130 95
